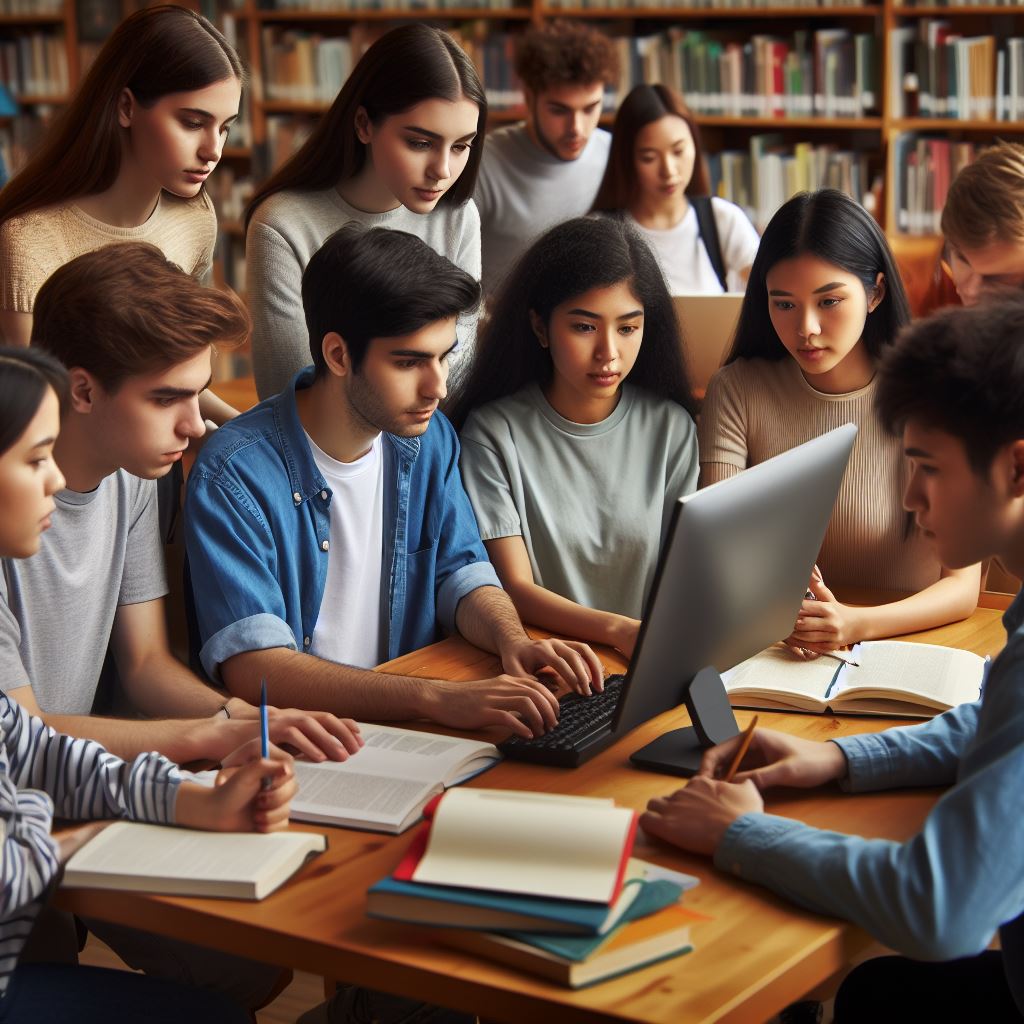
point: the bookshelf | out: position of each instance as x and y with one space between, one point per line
876 135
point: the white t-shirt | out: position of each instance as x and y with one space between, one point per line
684 258
348 629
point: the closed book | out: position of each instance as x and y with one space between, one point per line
577 962
183 862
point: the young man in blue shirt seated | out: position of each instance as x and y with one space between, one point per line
954 386
327 530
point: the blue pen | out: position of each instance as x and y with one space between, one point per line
264 728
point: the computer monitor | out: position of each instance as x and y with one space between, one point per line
731 576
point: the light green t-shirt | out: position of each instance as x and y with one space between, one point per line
591 500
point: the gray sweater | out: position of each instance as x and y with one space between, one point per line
284 233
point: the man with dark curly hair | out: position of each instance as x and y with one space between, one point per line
547 169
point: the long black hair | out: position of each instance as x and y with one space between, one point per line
406 66
25 376
827 224
571 259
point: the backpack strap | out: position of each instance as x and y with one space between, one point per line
708 230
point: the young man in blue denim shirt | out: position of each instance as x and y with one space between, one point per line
328 530
954 385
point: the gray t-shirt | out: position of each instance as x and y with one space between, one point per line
591 500
523 190
284 233
57 607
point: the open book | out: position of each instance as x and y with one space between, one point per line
385 787
894 677
185 862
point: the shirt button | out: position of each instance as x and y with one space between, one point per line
297 498
323 494
306 641
325 545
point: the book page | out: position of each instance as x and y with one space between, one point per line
945 675
534 843
159 851
776 670
332 789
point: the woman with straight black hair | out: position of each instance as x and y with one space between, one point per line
824 300
127 160
45 775
572 468
657 178
399 148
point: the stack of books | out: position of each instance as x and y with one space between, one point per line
540 882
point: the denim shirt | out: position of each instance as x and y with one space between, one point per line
944 892
257 529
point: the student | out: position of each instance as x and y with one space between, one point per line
983 222
327 530
399 148
572 468
126 161
953 387
547 169
823 303
136 334
656 177
44 774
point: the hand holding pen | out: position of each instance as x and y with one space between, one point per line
824 624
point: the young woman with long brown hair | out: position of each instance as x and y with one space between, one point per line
126 161
399 148
656 178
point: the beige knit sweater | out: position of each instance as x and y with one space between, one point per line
33 246
756 409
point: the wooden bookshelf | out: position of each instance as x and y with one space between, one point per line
878 131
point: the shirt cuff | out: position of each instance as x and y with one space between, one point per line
744 849
868 762
462 582
255 633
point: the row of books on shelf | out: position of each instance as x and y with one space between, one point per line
762 177
925 166
31 7
828 73
308 67
937 72
34 64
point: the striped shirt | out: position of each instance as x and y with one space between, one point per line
45 774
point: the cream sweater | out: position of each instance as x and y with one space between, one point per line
756 409
33 246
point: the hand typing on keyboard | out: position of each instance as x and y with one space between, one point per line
524 705
574 663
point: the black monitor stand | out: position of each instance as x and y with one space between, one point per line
679 752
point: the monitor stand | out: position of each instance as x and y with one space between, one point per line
679 752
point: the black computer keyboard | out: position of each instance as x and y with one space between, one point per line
584 728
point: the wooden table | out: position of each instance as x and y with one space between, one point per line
758 954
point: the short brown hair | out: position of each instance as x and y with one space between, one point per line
124 310
985 203
565 53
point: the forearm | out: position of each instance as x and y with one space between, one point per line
180 740
305 681
558 615
487 618
949 599
213 407
161 686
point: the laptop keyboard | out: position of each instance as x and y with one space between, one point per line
584 728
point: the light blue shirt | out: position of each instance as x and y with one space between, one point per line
945 892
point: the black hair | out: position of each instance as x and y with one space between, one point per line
376 283
406 66
961 370
830 225
25 376
568 260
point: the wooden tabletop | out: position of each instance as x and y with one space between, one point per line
757 954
